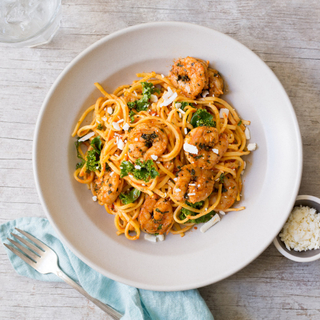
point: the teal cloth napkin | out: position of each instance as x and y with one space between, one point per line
132 302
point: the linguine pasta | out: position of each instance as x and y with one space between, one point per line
134 150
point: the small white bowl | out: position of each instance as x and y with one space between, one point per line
303 256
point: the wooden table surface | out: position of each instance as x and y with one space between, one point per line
284 34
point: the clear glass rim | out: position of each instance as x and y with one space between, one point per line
37 34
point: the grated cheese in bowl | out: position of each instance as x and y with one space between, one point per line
301 232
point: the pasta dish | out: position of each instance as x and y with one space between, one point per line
164 153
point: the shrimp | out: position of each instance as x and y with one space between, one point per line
193 184
156 216
146 140
228 195
215 83
190 75
108 187
211 146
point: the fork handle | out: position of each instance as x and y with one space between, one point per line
113 313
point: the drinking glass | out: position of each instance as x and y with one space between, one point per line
29 23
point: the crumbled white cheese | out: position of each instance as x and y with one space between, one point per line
247 133
175 179
222 213
180 115
143 184
162 75
178 105
134 92
150 238
185 130
216 151
120 144
136 139
98 121
210 223
160 237
116 125
86 137
137 167
192 184
181 111
178 190
109 110
205 93
154 157
111 174
104 118
252 146
191 194
94 198
126 127
301 232
190 148
153 98
131 176
224 110
120 121
168 97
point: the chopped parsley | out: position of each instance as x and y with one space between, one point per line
145 173
79 164
96 144
184 213
131 116
129 196
202 118
100 126
93 156
185 104
144 103
222 176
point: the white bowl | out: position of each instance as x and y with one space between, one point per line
303 256
273 171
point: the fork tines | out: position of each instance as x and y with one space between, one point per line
31 252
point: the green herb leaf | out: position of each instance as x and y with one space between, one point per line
239 123
80 164
146 172
93 161
96 144
130 196
202 118
100 126
125 168
222 176
93 156
185 103
131 115
144 103
184 213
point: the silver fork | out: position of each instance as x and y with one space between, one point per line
45 260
